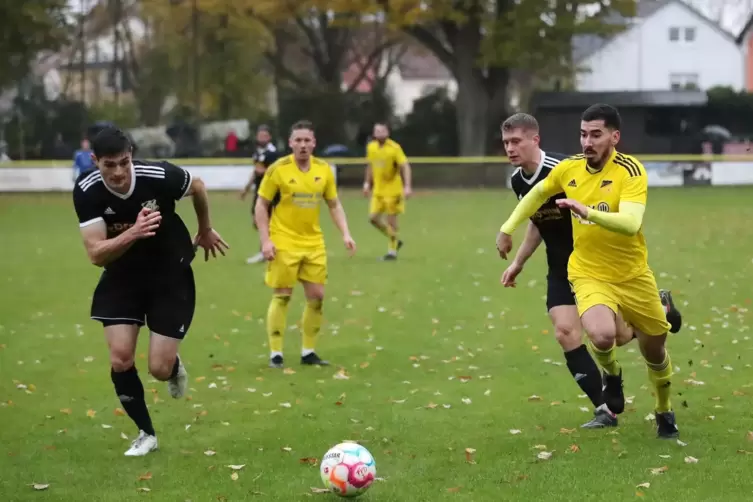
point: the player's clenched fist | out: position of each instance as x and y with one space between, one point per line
147 223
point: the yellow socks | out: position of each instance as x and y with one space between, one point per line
310 325
388 231
607 359
661 377
276 321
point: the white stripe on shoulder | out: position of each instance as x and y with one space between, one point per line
551 160
89 177
90 183
149 168
150 175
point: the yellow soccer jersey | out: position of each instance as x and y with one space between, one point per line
385 161
599 253
295 219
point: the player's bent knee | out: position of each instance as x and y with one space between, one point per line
161 370
567 336
121 361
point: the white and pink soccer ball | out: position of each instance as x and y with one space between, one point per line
348 469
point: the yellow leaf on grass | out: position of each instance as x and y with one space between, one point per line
234 476
91 413
659 470
289 371
200 379
574 448
145 477
66 411
364 365
119 412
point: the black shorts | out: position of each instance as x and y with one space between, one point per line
164 300
558 292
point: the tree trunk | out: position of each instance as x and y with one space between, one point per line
482 94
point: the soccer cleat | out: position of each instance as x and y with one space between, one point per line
613 395
313 360
666 427
177 386
142 445
276 362
674 317
257 258
602 418
399 245
389 257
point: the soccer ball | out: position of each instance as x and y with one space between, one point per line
348 469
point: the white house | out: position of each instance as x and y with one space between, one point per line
669 45
418 73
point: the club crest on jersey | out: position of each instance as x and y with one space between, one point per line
603 207
151 204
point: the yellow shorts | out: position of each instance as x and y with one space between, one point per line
387 204
289 267
637 299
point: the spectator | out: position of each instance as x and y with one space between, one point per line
82 159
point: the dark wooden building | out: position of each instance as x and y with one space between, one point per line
653 122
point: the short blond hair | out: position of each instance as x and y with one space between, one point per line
523 121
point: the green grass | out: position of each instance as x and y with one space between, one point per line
404 332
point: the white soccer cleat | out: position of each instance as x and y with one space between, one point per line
257 258
142 445
177 386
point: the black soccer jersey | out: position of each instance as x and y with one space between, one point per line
554 224
265 155
155 185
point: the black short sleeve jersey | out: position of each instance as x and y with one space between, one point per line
554 224
154 185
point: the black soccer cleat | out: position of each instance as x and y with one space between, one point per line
674 317
399 245
614 398
666 427
313 360
389 257
602 418
276 362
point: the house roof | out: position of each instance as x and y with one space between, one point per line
587 45
746 29
625 99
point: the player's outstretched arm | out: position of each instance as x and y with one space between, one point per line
206 236
627 221
407 173
337 213
531 242
527 206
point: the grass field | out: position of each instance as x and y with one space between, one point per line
439 358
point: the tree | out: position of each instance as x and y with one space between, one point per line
314 46
28 28
483 41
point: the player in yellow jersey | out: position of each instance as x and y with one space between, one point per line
292 240
389 179
606 192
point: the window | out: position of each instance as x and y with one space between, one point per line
680 81
690 34
674 34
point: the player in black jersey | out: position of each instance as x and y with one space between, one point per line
264 156
126 213
553 226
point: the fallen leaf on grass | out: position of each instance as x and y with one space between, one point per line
66 411
39 486
145 477
515 431
534 398
464 379
310 461
659 470
691 460
106 426
143 489
200 379
750 436
453 490
566 431
319 490
119 412
289 371
574 448
341 375
643 485
210 453
431 406
469 452
237 467
234 476
544 455
287 448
